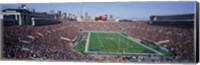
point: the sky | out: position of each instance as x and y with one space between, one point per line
121 10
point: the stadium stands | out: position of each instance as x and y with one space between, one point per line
45 43
175 20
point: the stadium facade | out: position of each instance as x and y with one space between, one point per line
186 19
26 17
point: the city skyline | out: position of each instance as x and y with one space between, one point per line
126 10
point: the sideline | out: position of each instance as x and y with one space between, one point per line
87 44
146 46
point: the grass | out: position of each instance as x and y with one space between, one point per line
81 46
116 43
168 54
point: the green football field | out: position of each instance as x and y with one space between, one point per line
115 43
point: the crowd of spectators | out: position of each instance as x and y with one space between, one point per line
44 42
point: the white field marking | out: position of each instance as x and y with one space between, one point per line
87 43
99 40
146 46
128 53
98 37
116 36
105 32
121 53
119 42
111 37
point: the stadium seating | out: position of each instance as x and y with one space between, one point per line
44 43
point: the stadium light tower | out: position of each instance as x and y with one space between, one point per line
70 15
65 15
106 15
82 12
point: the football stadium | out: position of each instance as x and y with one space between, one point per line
31 35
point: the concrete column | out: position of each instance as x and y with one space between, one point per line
33 21
155 19
20 19
16 17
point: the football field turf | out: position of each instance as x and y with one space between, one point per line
115 43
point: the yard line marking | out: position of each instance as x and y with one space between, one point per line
99 40
119 43
87 44
121 53
146 47
111 36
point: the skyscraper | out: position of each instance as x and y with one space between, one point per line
65 15
111 16
59 13
86 14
